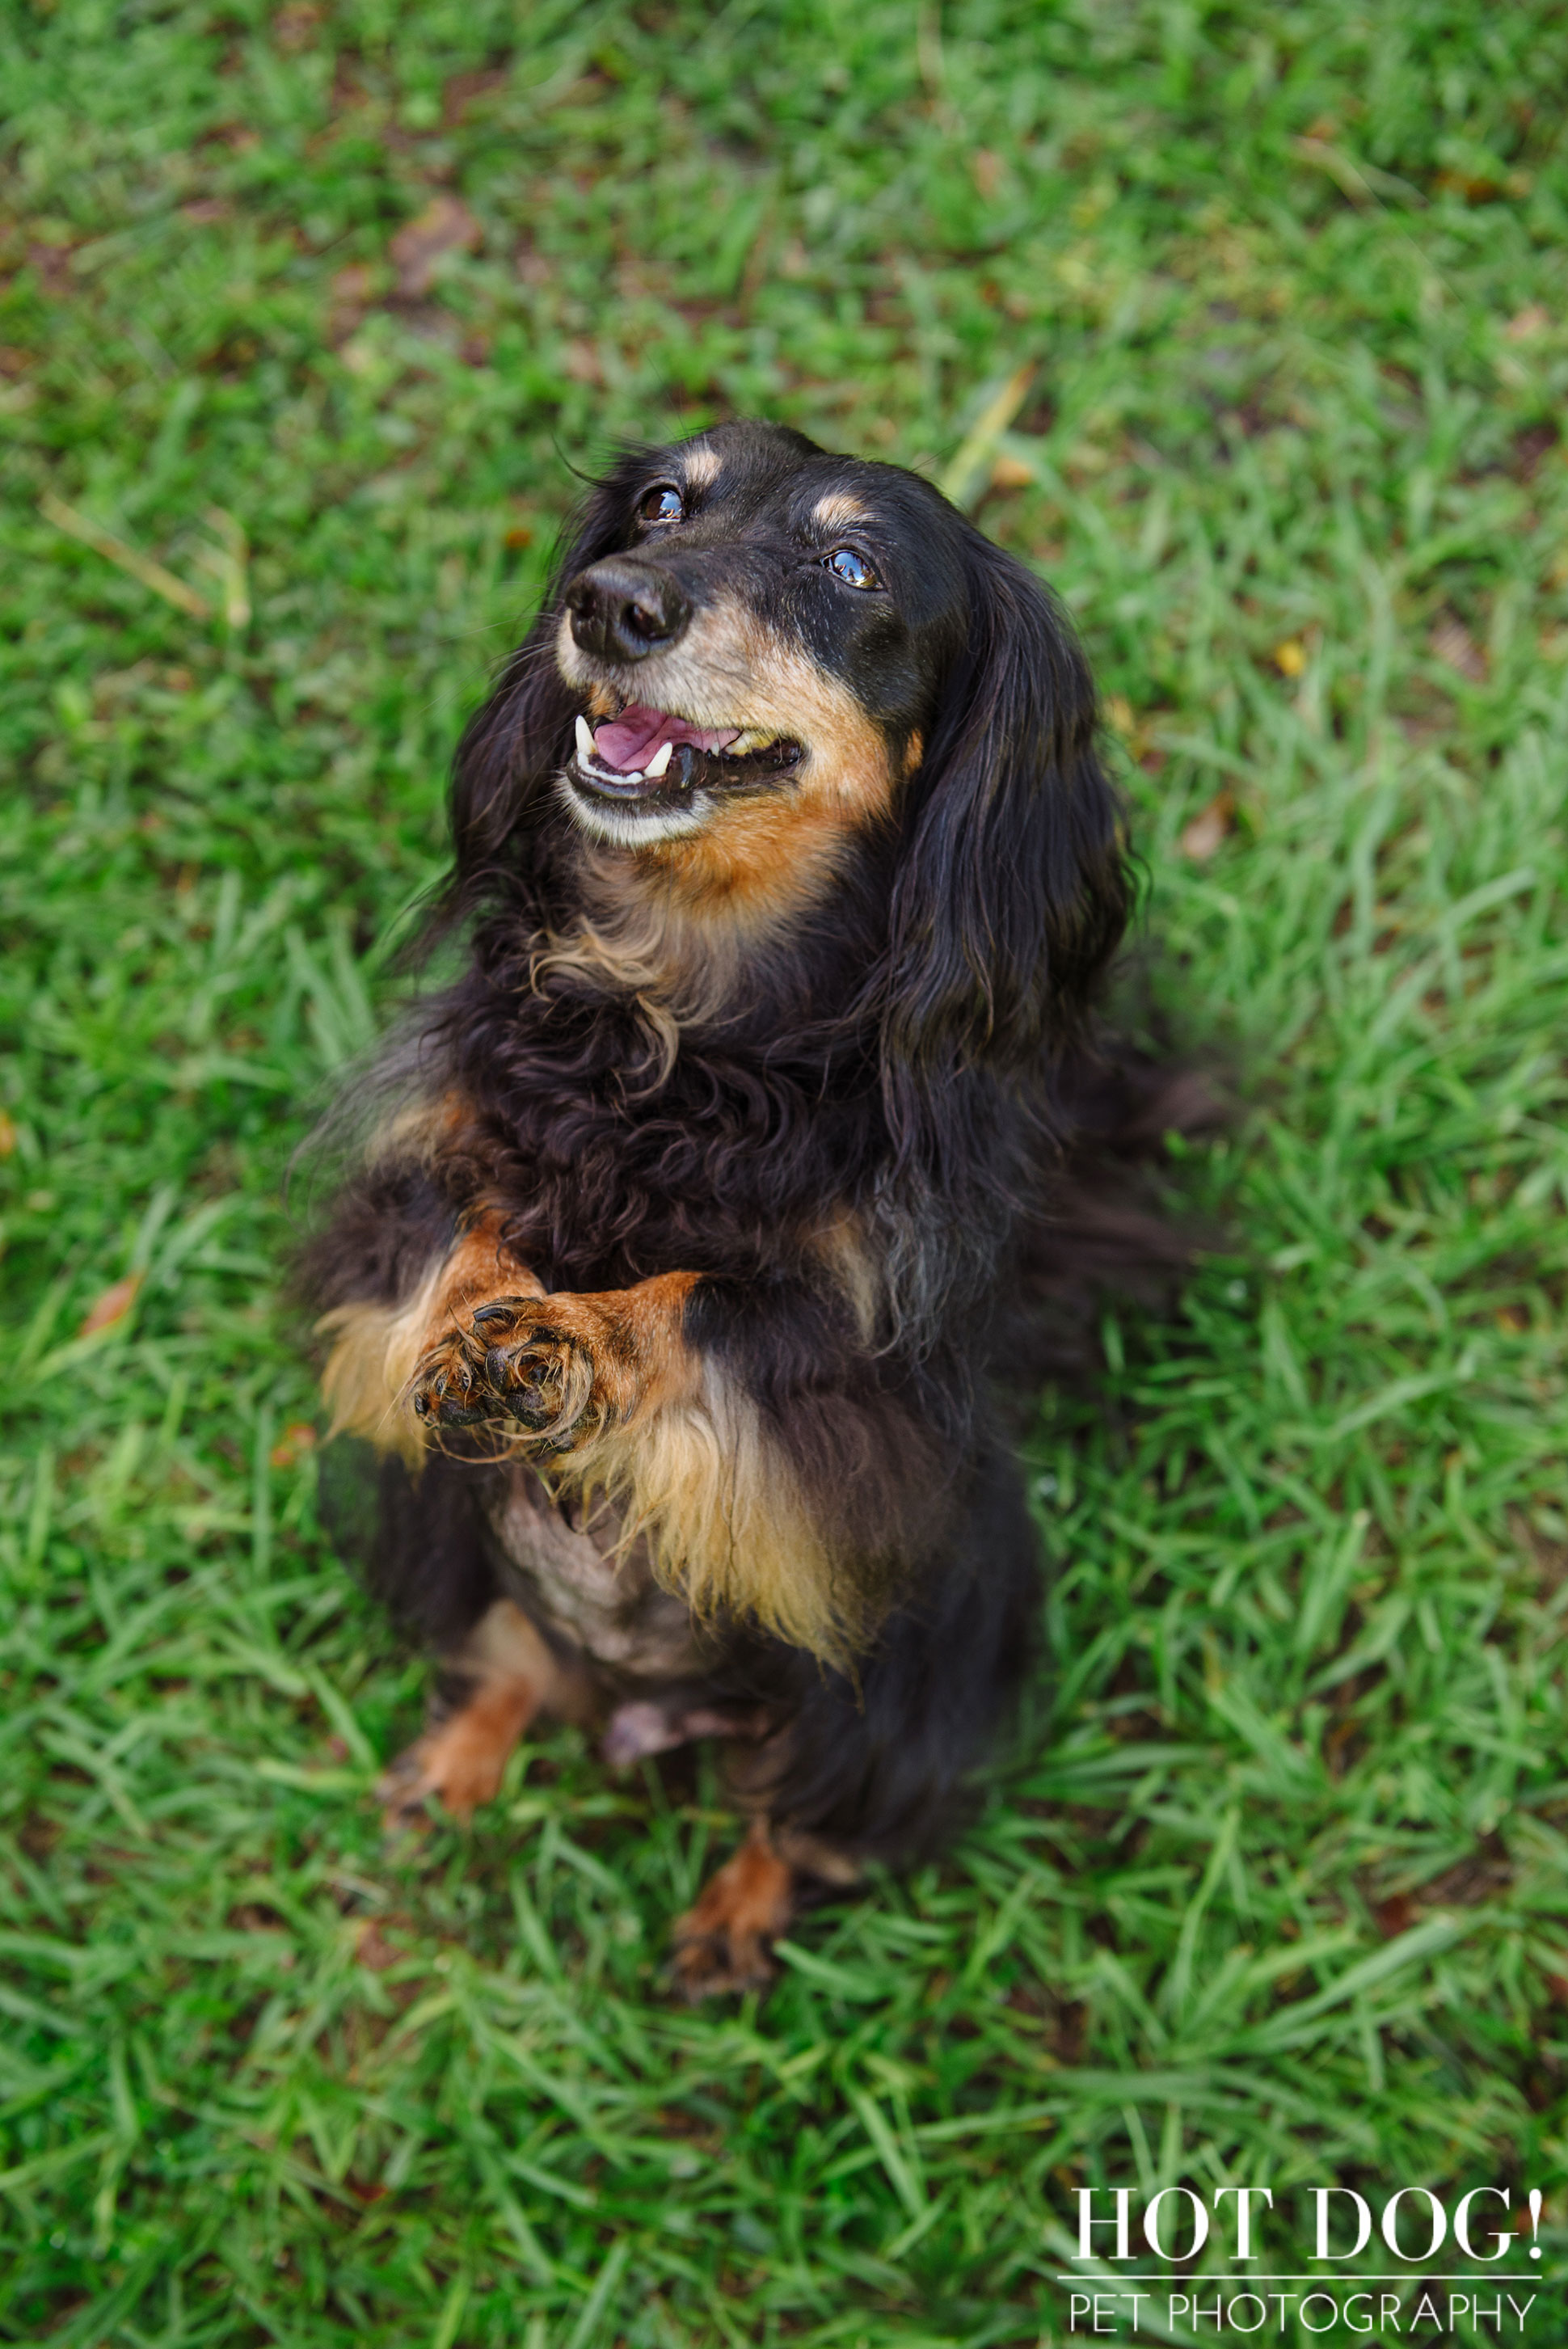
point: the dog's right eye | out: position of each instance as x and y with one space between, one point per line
663 504
851 568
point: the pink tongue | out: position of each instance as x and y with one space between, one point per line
632 739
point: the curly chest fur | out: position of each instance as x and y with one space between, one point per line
608 1171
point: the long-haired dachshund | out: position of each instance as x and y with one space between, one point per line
701 1223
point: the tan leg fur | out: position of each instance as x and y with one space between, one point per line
460 1761
722 1942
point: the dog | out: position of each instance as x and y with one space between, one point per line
700 1228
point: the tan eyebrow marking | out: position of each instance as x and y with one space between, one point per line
838 511
702 469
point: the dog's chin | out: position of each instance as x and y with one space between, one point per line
633 817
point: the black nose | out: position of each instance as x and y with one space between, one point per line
624 611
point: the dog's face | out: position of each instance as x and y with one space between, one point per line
757 655
757 660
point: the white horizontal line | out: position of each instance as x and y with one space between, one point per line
1510 2275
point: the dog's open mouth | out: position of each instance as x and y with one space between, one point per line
652 756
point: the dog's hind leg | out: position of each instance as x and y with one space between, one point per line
508 1674
722 1941
875 1767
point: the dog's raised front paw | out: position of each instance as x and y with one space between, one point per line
515 1361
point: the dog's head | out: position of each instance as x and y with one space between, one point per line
760 660
762 633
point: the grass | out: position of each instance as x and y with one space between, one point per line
1277 1894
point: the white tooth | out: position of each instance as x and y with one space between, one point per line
584 738
660 760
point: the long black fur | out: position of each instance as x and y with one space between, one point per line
919 1050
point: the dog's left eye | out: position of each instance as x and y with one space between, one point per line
663 504
851 568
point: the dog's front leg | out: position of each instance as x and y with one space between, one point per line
780 1503
379 1343
736 1426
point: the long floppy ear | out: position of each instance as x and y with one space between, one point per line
1012 889
513 747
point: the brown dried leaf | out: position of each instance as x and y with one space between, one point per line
112 1306
446 225
373 1948
295 1440
1455 646
8 1136
465 89
1536 441
352 290
1206 834
354 283
1473 187
580 360
53 265
1527 323
294 26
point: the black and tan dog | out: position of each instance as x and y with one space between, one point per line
704 1218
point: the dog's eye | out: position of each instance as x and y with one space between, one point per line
851 568
663 504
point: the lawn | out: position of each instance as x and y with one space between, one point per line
314 310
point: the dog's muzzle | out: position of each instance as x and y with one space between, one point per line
623 611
